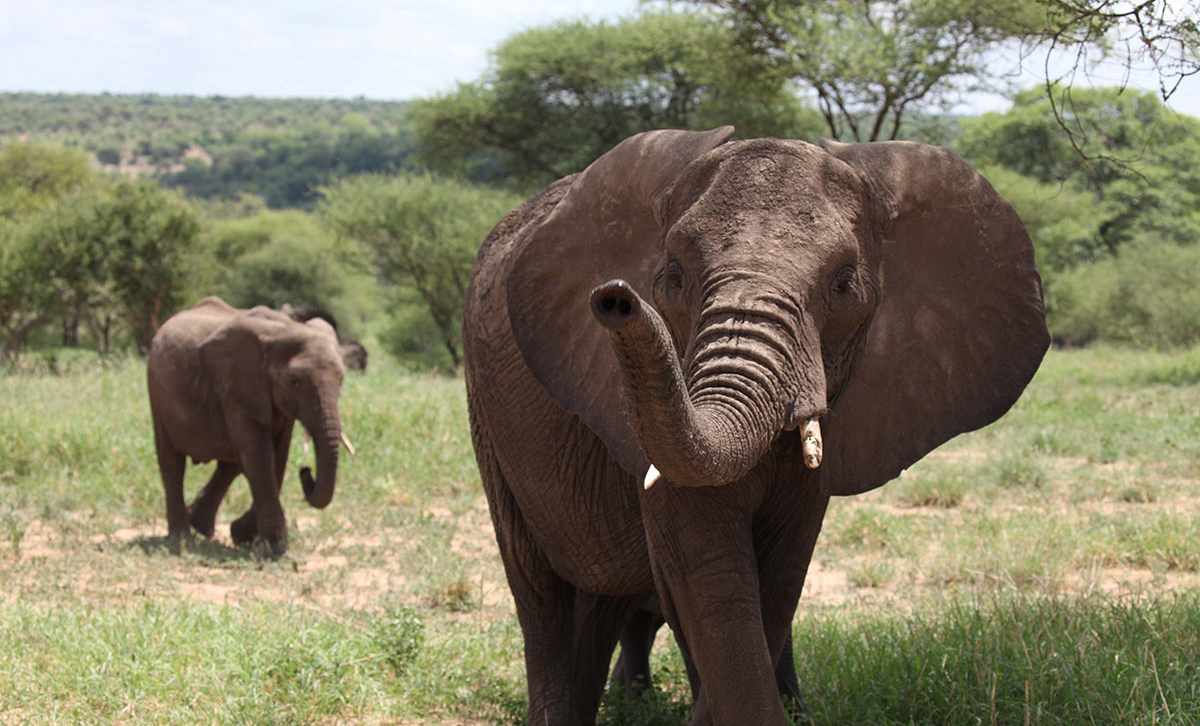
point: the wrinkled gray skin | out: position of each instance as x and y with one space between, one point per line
229 385
688 302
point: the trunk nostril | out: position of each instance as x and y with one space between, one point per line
614 303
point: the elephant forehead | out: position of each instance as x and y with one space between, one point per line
757 201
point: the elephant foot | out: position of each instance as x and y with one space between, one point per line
203 521
177 539
265 548
244 529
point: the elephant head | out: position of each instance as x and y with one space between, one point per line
691 299
276 369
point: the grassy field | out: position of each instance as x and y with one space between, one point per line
1044 570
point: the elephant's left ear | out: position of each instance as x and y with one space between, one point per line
960 327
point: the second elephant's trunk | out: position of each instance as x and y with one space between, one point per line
326 432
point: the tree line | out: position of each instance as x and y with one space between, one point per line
375 210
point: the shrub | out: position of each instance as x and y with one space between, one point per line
1147 295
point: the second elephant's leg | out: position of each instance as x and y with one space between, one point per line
244 529
203 512
258 462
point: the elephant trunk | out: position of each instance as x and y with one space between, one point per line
326 432
739 400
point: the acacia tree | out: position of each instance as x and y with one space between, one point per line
1158 35
870 62
556 97
151 242
419 234
34 179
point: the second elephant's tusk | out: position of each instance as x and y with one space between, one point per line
813 447
652 477
346 442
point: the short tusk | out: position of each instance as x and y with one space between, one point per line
346 442
652 476
810 435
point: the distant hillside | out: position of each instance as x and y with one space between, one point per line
215 146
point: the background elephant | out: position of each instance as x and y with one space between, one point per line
229 385
644 339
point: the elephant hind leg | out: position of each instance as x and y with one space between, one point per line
171 465
632 671
203 512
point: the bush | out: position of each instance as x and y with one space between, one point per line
420 234
1147 295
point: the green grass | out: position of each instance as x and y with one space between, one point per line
1007 661
970 591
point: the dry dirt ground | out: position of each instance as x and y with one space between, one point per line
875 551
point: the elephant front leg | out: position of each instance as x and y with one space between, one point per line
784 542
244 529
705 569
258 463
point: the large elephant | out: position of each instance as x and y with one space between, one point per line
643 341
229 385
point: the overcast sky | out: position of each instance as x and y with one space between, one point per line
375 48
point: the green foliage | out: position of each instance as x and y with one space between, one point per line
400 634
39 184
1140 159
150 236
1146 295
287 167
420 235
35 175
217 147
556 97
276 257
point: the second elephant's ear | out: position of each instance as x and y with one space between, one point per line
960 327
605 227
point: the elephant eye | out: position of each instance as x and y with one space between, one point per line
844 281
672 276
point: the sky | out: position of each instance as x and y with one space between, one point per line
381 49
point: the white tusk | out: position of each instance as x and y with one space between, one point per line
346 442
810 435
652 476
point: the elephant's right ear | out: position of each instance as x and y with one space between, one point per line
605 227
234 358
